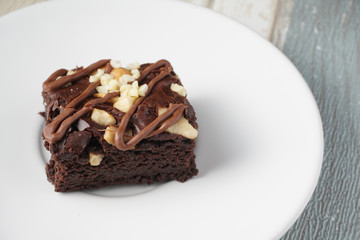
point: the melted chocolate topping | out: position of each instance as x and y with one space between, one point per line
52 84
108 68
57 129
149 130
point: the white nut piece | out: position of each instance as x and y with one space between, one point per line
135 84
96 77
135 73
101 89
143 89
102 117
109 135
161 111
115 63
113 100
181 127
93 79
95 159
124 89
100 72
132 66
124 103
105 79
178 89
112 85
70 72
124 79
99 95
133 92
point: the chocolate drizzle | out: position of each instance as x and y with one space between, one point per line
57 129
108 67
52 83
149 130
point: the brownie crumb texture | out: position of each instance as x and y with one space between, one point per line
108 124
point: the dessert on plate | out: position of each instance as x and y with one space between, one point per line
107 124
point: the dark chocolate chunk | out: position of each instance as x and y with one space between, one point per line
77 141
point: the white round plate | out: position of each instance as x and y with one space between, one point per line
259 149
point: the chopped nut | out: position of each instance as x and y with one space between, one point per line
133 92
178 89
118 72
143 89
128 135
181 127
135 73
70 72
102 117
105 79
101 89
95 159
115 63
124 79
96 77
184 128
93 79
111 100
99 72
124 103
109 135
135 84
100 95
114 100
124 89
161 111
132 66
112 85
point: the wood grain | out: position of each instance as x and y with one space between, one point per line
258 15
10 6
323 41
281 22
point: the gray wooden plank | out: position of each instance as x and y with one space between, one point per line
281 22
258 15
323 41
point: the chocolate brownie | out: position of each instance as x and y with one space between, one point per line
107 124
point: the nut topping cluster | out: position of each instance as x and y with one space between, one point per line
120 79
124 80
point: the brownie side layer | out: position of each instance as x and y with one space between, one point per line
152 161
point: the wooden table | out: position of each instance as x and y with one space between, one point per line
322 38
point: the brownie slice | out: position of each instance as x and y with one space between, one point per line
107 124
